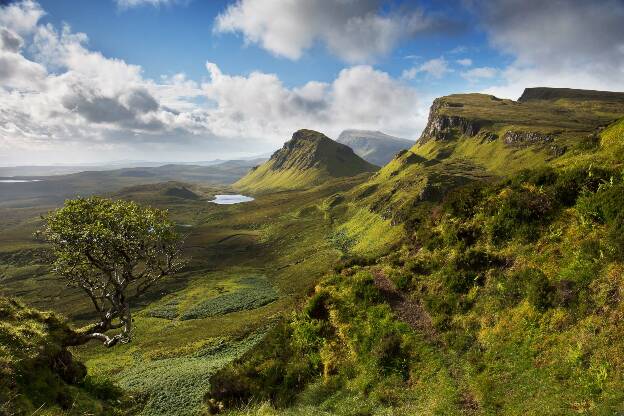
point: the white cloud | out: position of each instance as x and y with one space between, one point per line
21 17
126 4
353 30
437 68
459 49
259 105
64 101
564 43
477 74
464 62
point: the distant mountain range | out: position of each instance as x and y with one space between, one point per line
374 146
52 189
67 168
307 159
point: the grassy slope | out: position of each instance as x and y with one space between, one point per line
250 263
290 238
308 159
519 281
37 375
433 167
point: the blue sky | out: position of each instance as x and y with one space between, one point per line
178 37
181 80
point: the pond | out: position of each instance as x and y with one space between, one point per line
231 199
19 180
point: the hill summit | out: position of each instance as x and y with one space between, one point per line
374 146
547 93
305 160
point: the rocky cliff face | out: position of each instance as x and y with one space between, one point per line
521 139
441 126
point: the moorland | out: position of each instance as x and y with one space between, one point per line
479 272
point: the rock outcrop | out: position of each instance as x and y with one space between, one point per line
441 126
525 138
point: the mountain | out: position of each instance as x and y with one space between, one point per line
374 146
307 159
479 137
479 272
66 169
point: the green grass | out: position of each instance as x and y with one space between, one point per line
504 342
242 257
176 385
368 235
38 375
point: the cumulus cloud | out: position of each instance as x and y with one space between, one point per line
10 41
64 97
260 105
21 17
436 68
464 62
481 73
563 43
353 30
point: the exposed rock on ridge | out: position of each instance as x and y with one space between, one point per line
440 126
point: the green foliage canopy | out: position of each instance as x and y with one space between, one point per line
113 251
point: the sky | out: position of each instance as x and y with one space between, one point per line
192 80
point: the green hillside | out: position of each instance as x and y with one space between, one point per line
502 297
478 273
477 136
54 189
307 159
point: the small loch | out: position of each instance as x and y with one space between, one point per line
231 199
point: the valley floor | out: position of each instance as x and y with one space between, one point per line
249 263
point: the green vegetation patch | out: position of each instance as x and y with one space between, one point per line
176 385
37 373
254 292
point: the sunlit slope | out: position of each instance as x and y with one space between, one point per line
504 297
479 137
308 159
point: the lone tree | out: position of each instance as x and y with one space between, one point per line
113 251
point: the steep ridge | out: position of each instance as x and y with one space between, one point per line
481 137
374 146
307 159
